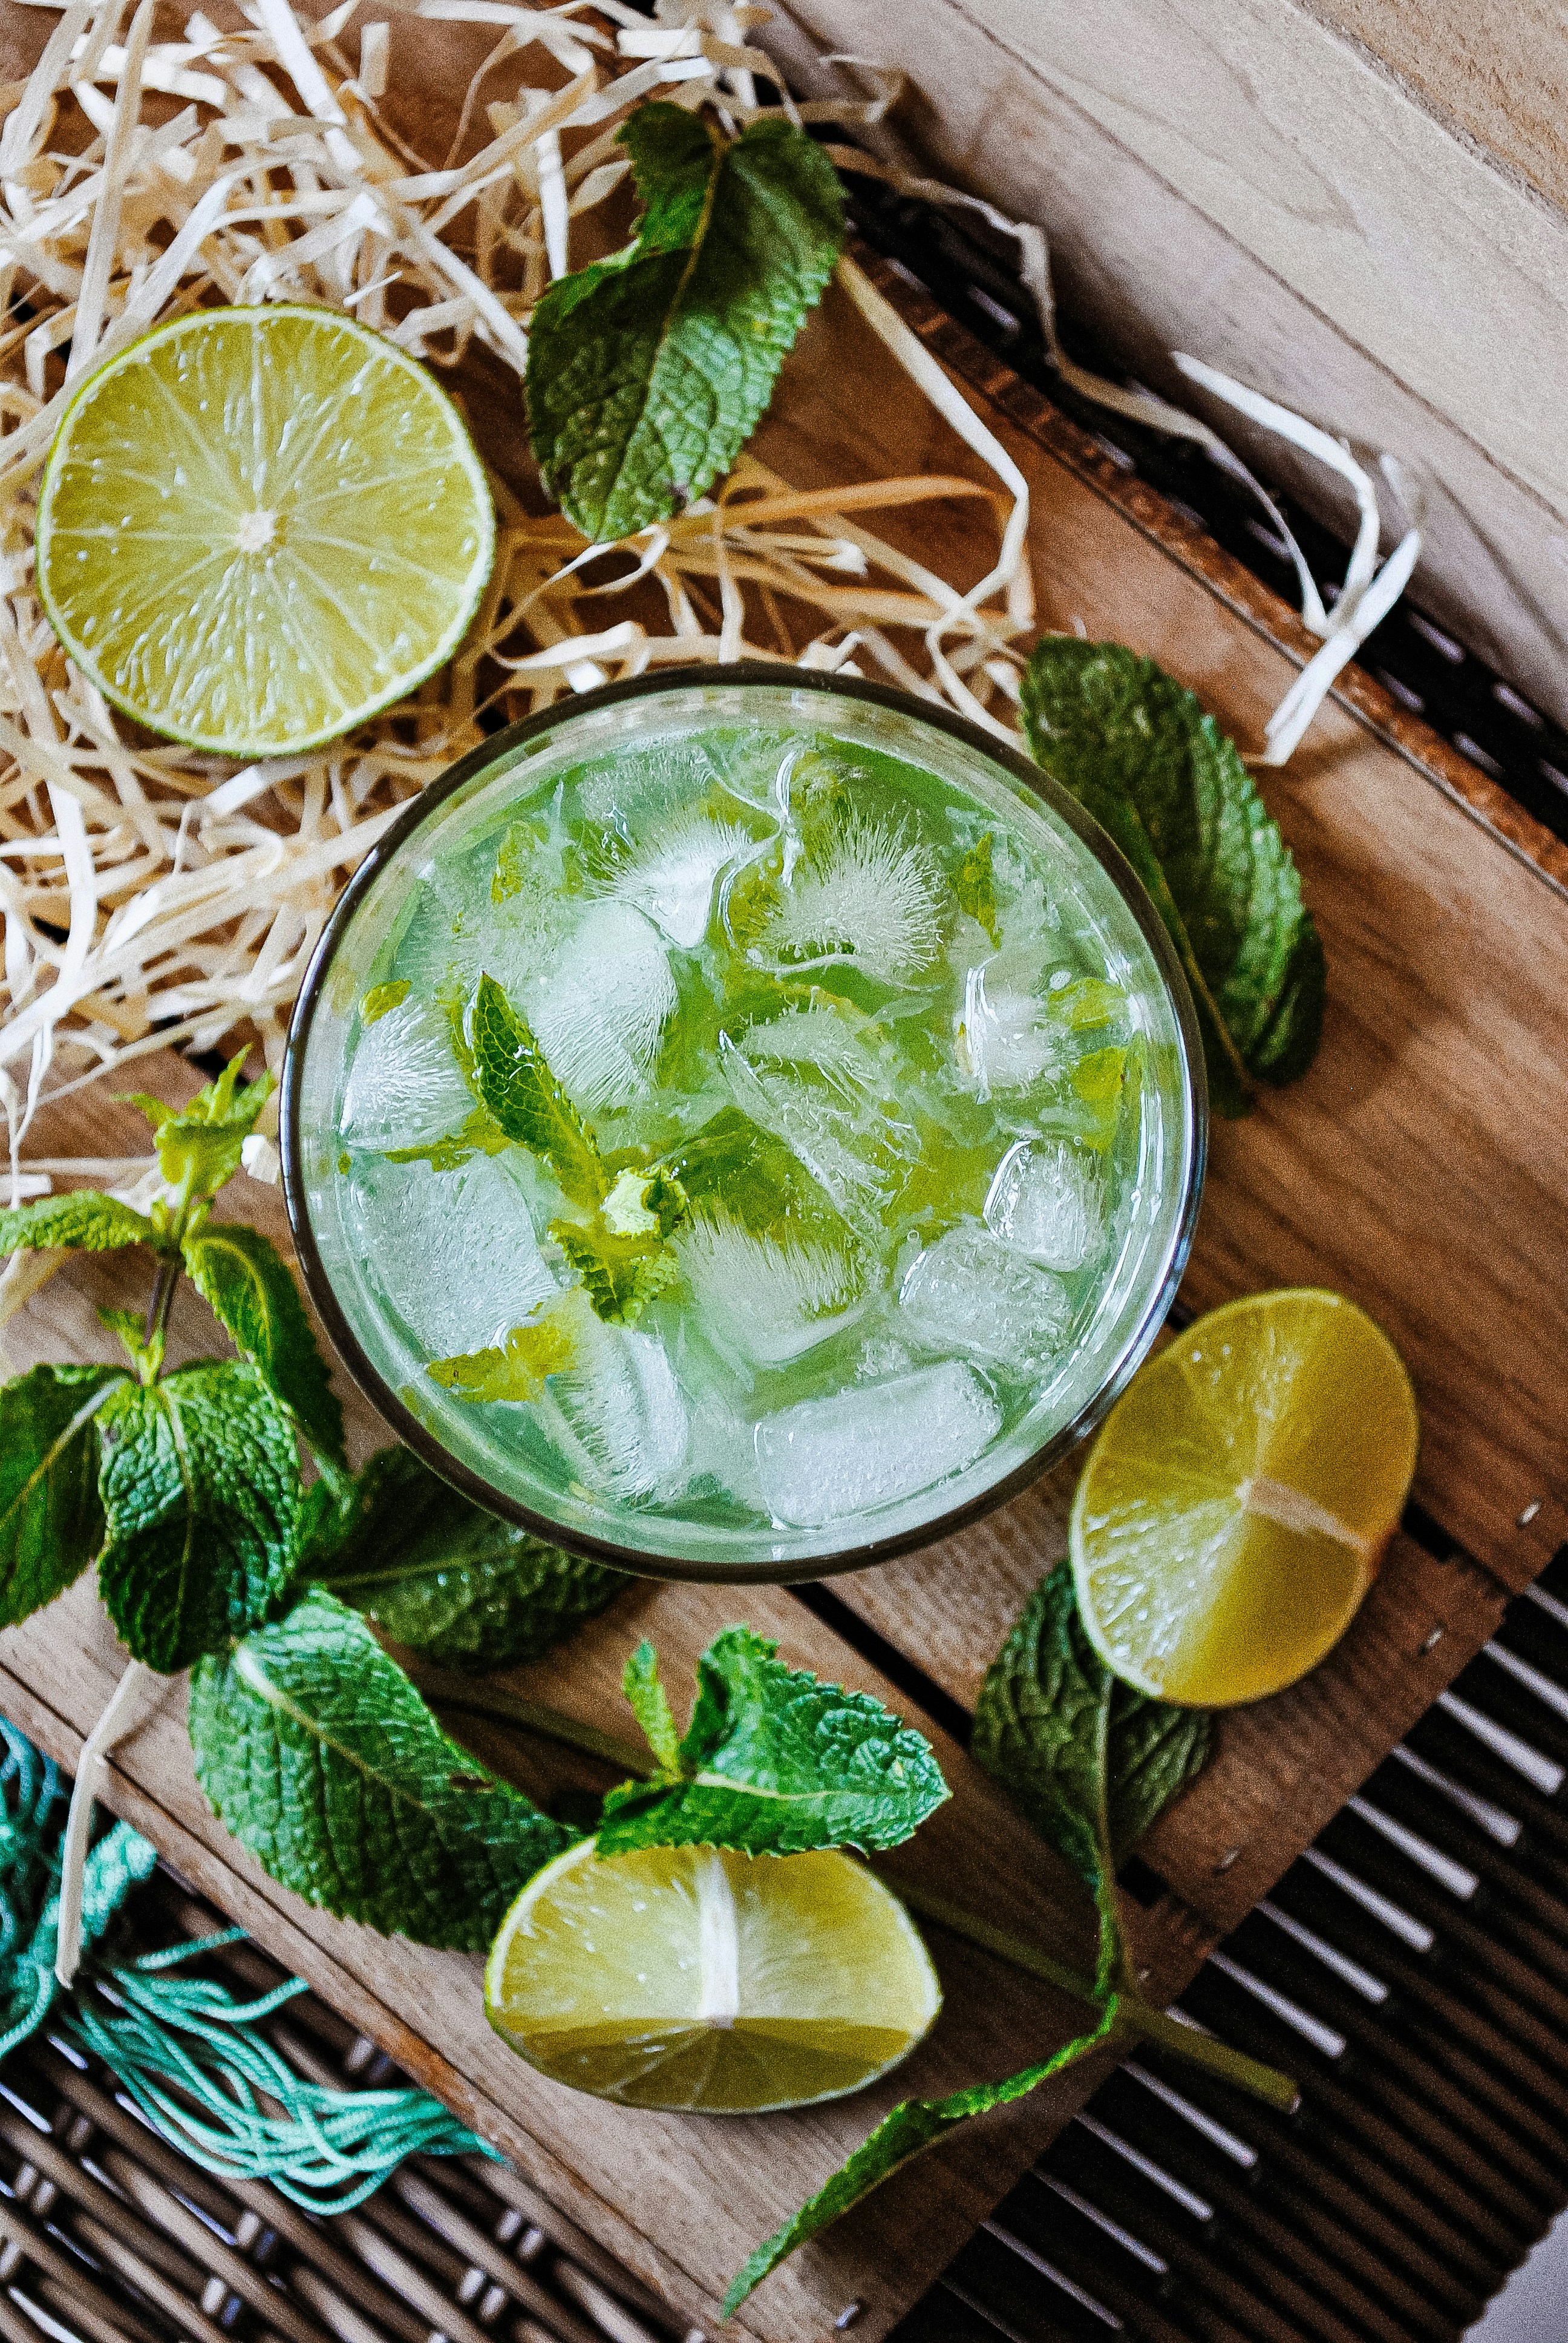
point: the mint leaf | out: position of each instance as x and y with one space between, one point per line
251 1292
1089 1759
200 1485
622 1275
318 1755
1136 751
650 1706
50 1515
775 1762
515 1368
199 1144
904 2133
527 1102
648 373
476 1135
975 887
438 1573
382 998
85 1221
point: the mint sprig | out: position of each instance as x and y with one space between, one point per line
773 1761
525 1100
83 1221
648 372
1138 754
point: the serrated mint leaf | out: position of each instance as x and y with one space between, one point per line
648 373
50 1515
621 1275
650 1706
526 1102
1084 1754
85 1221
515 1369
1138 754
904 2133
199 1145
438 1573
321 1758
251 1292
975 887
775 1762
200 1485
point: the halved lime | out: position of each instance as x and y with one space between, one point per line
1238 1499
693 1978
259 527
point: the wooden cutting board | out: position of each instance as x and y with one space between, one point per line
1419 1167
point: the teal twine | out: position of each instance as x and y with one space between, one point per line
189 2055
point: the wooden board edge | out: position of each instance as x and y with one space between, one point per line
1266 613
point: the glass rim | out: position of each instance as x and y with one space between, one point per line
867 1552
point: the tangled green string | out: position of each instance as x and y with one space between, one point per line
193 2059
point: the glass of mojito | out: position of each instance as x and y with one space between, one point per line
745 1126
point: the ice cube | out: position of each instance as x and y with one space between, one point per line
405 1085
766 1297
1048 1201
828 1116
617 1413
669 869
454 1252
1002 1041
600 1014
827 1460
969 1291
864 895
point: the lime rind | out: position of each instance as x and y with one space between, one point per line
462 594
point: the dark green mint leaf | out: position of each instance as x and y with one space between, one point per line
50 1515
84 1222
776 1761
1137 751
251 1292
622 1275
199 1144
904 2133
1087 1757
200 1484
525 1100
438 1573
650 1706
648 373
319 1756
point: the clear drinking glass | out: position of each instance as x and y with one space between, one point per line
945 1111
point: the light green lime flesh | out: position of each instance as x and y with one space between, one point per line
258 527
912 1095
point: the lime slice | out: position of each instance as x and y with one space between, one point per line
1237 1501
258 527
722 1983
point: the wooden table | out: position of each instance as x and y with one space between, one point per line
1419 1168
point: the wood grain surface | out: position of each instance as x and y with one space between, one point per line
1418 1167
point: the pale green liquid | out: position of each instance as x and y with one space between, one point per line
916 1111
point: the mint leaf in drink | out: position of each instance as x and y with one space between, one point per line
85 1221
318 1755
199 1145
649 1705
775 1761
546 1343
477 1134
50 1515
435 1572
199 1478
975 887
648 372
904 2133
251 1292
1090 1761
1138 754
523 1097
622 1275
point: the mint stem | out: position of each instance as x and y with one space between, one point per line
1135 2016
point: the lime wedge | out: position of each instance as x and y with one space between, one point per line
259 527
722 1983
1238 1500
